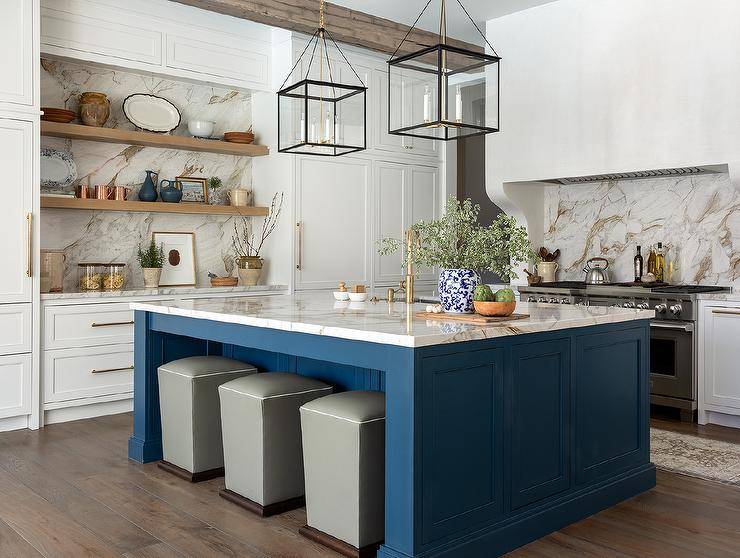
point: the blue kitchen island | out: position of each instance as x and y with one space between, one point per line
495 435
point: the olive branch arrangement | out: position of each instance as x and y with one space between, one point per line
244 242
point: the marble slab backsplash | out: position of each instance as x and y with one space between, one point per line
113 236
697 217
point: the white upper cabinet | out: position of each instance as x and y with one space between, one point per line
17 161
161 37
721 365
18 54
332 221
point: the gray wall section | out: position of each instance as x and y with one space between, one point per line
471 183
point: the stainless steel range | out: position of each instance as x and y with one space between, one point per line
673 340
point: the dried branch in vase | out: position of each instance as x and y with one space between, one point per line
244 241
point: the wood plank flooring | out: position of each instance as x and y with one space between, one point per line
70 491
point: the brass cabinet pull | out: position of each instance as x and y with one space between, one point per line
29 264
300 245
109 324
102 370
727 312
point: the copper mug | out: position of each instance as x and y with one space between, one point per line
84 192
103 192
119 193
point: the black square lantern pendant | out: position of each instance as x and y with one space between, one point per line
321 116
444 92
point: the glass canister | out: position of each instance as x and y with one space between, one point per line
52 270
113 276
90 276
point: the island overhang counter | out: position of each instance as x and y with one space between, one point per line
495 435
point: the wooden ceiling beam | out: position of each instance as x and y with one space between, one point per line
345 25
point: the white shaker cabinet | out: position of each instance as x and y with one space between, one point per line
404 195
17 161
720 358
17 90
332 221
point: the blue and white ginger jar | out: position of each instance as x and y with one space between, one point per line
456 288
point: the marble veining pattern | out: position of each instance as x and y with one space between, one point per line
318 314
113 236
698 217
165 291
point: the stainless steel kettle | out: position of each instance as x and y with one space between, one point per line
595 273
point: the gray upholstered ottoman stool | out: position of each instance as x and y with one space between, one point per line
344 460
262 440
191 421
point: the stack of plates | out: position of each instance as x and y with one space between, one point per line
239 137
62 116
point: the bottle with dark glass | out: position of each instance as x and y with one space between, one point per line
638 265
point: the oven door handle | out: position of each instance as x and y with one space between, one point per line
668 325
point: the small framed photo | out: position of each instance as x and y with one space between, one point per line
194 189
179 258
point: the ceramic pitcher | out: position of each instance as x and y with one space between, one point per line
148 190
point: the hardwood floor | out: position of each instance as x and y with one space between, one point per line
69 490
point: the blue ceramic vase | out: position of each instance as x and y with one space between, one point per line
148 190
172 193
456 288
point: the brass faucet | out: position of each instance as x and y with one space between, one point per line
412 243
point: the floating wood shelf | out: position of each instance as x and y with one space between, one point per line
151 207
150 139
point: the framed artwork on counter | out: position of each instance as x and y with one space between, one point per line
179 258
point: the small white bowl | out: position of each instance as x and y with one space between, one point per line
341 295
201 128
358 297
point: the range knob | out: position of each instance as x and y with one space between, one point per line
564 301
628 305
643 306
660 308
532 299
553 301
542 299
676 309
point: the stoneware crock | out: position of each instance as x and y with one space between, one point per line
456 287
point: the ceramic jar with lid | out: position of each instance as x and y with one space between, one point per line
94 108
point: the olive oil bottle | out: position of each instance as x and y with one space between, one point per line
660 263
638 265
651 261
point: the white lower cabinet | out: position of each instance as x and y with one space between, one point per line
720 358
71 374
88 325
15 385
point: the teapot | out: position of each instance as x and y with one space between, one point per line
172 192
595 274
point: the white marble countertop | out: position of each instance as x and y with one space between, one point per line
318 314
163 291
729 297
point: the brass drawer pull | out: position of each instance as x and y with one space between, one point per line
109 324
101 371
727 312
299 265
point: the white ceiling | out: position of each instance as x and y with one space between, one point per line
458 25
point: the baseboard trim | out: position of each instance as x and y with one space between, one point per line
259 509
723 419
343 548
14 423
91 410
184 474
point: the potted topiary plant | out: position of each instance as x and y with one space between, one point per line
247 248
462 248
151 261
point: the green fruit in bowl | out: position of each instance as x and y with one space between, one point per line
483 293
504 295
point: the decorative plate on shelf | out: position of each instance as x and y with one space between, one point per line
151 113
58 169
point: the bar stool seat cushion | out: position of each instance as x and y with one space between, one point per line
189 408
262 439
344 459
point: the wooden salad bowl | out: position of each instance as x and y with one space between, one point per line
500 309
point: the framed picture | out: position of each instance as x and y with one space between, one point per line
194 190
179 258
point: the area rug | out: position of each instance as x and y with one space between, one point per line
695 456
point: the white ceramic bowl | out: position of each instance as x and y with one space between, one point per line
358 297
201 128
341 295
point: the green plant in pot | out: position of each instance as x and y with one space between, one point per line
462 249
247 246
151 261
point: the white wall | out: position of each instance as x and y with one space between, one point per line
594 86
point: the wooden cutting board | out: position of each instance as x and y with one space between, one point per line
470 318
